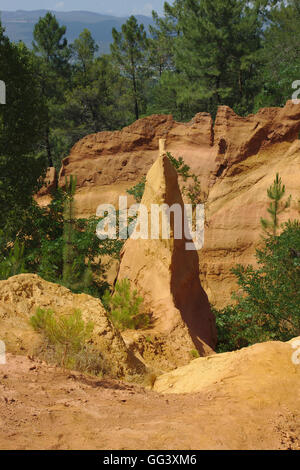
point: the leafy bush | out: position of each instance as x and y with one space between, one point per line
124 307
194 353
66 338
137 191
56 238
14 262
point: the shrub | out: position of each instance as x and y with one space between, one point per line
59 247
137 191
66 338
194 353
124 307
14 262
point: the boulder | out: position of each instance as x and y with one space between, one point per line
21 295
265 373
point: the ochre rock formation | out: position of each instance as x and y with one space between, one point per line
249 152
21 295
166 275
266 373
236 159
108 163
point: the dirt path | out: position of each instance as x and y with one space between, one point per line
42 407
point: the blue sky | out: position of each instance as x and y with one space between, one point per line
112 7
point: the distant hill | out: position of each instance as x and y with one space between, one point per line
19 25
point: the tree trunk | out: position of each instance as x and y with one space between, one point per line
50 161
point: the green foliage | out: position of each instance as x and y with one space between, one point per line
14 263
68 252
68 334
129 51
215 51
279 58
268 306
137 191
70 276
194 354
161 44
192 191
84 49
125 307
21 124
53 54
44 237
179 165
49 39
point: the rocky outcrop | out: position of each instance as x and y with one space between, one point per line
236 137
166 275
236 159
266 372
108 163
21 295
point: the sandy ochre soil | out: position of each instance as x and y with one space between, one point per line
44 407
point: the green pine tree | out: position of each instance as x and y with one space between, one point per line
161 44
129 51
276 193
279 59
84 49
53 54
22 121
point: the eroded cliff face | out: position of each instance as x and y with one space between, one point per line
108 163
249 153
236 159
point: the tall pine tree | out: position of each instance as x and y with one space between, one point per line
129 51
22 121
51 48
